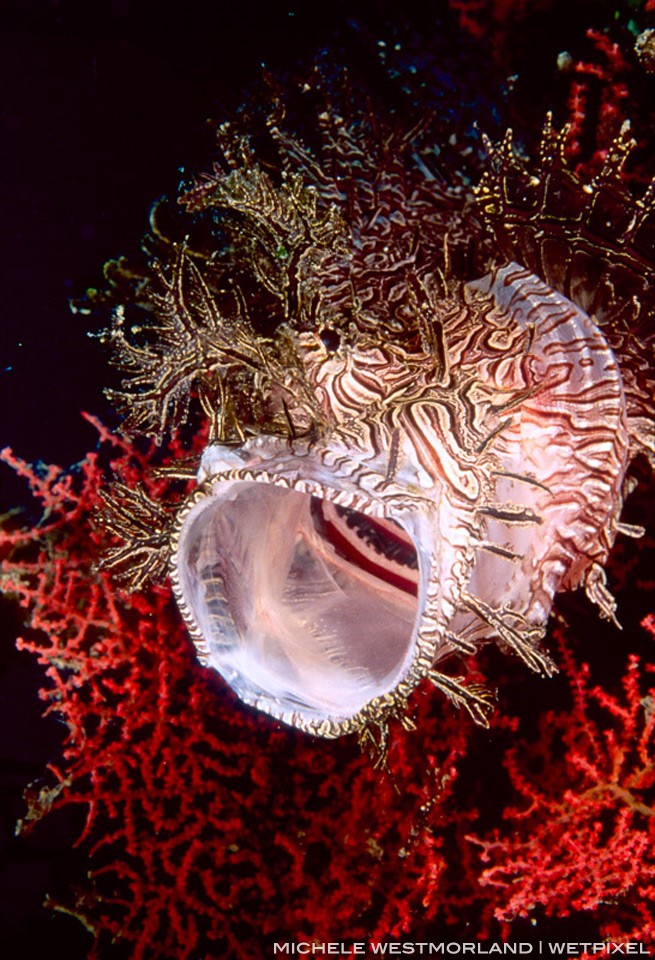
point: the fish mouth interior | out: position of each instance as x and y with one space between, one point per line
305 607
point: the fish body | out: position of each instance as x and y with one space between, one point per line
324 579
422 402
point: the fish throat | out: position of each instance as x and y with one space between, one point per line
309 606
380 547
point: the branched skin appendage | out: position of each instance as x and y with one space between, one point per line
198 337
142 527
593 242
421 402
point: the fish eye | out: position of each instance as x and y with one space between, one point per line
330 339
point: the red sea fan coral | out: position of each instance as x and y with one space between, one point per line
604 77
483 17
208 828
204 824
581 837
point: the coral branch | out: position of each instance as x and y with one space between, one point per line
582 835
208 828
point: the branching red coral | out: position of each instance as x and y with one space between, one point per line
204 823
606 75
481 17
210 828
581 835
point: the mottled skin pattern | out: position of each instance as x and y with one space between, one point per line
342 324
595 243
